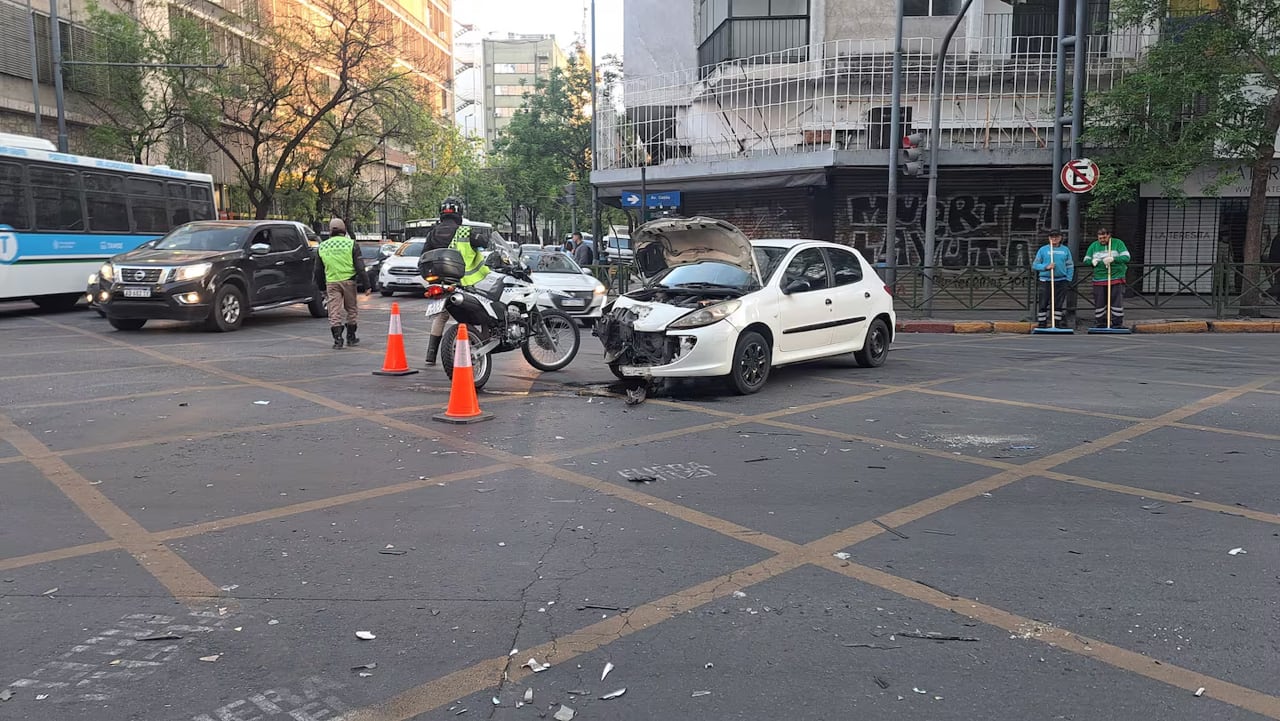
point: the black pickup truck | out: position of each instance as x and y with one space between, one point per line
215 272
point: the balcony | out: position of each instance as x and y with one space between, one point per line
784 38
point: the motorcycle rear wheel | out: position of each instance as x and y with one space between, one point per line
481 365
553 346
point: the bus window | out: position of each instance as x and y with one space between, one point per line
201 203
104 199
179 209
57 196
14 206
147 204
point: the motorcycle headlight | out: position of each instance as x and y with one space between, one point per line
107 272
192 272
706 316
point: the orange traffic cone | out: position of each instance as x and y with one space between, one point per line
395 363
464 407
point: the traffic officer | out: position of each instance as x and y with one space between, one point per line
474 269
340 271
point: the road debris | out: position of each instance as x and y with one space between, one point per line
1232 552
643 479
739 594
919 690
564 714
938 533
894 531
613 694
54 590
162 637
878 468
933 636
881 682
5 695
496 701
262 403
1200 692
387 552
528 695
364 667
869 645
760 460
273 622
842 555
697 694
608 666
365 636
211 659
533 665
709 665
598 608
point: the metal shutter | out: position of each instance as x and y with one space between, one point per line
778 213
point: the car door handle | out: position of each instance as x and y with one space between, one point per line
827 301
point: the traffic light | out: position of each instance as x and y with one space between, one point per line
912 160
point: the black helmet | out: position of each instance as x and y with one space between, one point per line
451 207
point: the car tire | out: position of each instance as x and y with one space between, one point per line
617 372
481 368
127 323
752 360
228 311
317 306
876 347
387 293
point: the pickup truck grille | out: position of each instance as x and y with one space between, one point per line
139 275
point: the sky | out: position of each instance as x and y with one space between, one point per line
562 18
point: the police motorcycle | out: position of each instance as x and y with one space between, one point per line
501 313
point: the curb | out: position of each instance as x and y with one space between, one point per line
912 326
1012 326
1172 326
1150 327
974 326
1244 326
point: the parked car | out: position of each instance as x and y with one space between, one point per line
214 271
374 255
616 249
552 269
399 272
717 304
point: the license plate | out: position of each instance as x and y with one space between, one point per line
435 306
137 292
573 303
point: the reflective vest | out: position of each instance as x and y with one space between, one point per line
472 260
336 253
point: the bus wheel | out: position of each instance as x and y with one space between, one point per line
60 302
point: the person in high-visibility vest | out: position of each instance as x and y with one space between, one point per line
472 262
340 271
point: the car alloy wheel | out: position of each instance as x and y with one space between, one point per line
752 361
753 364
230 309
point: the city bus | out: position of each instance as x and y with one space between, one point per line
62 216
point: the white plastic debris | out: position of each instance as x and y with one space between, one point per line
1200 692
608 666
564 714
497 701
739 594
211 659
273 622
365 636
533 665
842 556
919 690
1236 551
262 403
613 694
514 651
696 694
528 695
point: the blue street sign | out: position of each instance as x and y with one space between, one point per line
630 199
668 199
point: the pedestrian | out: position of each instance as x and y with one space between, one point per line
448 228
583 253
1054 263
1110 260
340 271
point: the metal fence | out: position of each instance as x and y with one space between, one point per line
835 95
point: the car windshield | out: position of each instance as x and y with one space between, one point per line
370 252
204 237
411 250
767 258
550 261
618 241
707 274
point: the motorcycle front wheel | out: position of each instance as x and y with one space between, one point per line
553 341
481 365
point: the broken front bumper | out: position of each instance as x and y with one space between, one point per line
706 351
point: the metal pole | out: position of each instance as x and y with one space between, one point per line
55 44
935 129
595 141
386 194
895 143
644 195
1059 118
1077 118
35 63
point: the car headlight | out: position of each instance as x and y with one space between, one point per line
192 272
706 316
600 289
107 272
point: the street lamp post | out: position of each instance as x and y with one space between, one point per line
595 109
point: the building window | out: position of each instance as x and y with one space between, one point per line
931 8
516 90
513 68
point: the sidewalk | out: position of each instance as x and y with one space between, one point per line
1142 320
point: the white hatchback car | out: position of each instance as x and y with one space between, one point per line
718 304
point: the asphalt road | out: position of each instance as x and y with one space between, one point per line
195 527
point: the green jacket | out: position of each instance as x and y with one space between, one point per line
472 259
1119 261
338 259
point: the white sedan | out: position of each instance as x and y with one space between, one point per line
580 294
717 304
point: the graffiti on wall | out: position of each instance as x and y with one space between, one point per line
974 230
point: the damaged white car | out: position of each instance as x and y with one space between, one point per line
717 304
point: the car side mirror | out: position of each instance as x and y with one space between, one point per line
259 249
799 285
587 272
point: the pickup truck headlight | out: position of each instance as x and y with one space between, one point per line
192 272
706 316
107 272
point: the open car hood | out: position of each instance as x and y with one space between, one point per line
669 242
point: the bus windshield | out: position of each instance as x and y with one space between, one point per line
203 237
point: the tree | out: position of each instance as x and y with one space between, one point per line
298 85
1207 93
